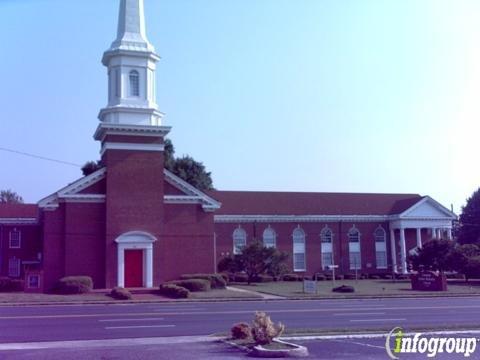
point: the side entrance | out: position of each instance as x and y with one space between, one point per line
133 268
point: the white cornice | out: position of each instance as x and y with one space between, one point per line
90 198
18 221
182 199
299 218
432 202
104 129
130 146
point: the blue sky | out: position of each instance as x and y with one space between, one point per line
282 95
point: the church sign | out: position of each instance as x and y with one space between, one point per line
429 281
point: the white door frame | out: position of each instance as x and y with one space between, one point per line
135 240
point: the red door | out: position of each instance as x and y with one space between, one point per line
133 268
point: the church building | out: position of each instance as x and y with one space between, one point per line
133 223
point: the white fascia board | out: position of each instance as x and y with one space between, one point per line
104 129
209 204
130 146
299 218
19 221
182 199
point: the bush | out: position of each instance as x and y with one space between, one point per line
349 277
239 277
263 278
120 293
73 285
174 291
217 281
264 330
375 277
344 289
11 285
225 277
290 277
320 277
241 331
387 276
193 285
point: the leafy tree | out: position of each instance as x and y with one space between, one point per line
435 255
471 269
469 231
10 197
185 167
255 259
91 166
465 260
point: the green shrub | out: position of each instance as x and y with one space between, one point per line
263 278
225 277
120 293
239 277
349 277
217 281
375 277
321 277
290 277
193 285
174 291
11 285
344 289
387 276
241 331
73 285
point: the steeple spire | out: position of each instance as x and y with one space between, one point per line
131 32
131 62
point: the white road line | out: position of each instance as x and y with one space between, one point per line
372 320
143 319
358 314
137 327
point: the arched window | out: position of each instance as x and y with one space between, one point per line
239 240
354 249
380 247
15 239
299 250
269 237
134 83
326 238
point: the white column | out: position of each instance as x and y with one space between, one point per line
419 238
403 251
149 267
120 266
393 250
439 233
449 233
434 233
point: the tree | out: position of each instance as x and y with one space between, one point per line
435 255
91 166
185 167
469 231
10 197
255 259
465 260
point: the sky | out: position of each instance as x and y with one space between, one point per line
272 95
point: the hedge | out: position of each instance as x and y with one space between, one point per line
291 277
193 284
263 278
217 281
120 293
73 285
174 291
11 285
240 277
344 289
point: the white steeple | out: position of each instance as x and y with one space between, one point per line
131 62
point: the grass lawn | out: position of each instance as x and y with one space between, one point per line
222 294
362 288
20 297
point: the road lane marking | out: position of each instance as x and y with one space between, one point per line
237 312
143 319
138 327
373 320
359 314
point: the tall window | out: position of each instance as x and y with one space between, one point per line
14 267
134 83
380 247
269 237
15 239
354 249
326 237
299 250
239 240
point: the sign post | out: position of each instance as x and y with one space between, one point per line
332 267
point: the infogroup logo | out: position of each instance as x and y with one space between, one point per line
398 342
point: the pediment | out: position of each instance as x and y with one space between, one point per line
428 208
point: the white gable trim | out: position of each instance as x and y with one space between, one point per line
71 191
432 202
207 202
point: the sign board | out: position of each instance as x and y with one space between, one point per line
309 286
429 281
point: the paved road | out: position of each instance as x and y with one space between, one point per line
49 323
